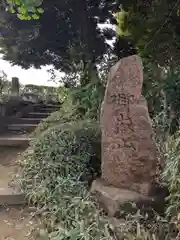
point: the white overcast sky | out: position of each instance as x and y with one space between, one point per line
32 75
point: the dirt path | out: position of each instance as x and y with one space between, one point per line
16 223
8 164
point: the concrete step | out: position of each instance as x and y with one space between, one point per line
38 115
45 110
30 120
10 196
14 140
55 106
22 127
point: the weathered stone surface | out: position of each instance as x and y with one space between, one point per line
128 151
9 196
15 86
112 198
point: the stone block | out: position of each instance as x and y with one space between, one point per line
112 199
129 154
10 196
15 86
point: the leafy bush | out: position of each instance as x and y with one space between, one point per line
56 118
57 166
80 103
81 218
77 216
88 100
162 91
171 173
66 151
136 225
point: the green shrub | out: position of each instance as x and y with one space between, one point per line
171 173
88 100
66 151
56 118
79 103
56 170
83 219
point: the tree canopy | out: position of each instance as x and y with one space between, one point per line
67 34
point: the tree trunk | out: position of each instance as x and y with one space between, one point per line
90 73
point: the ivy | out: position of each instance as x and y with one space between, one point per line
26 9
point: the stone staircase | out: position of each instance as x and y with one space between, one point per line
13 142
17 133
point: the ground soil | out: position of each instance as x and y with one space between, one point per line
16 223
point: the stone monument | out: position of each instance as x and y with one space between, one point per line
129 155
15 87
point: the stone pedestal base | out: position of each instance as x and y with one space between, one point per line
112 198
